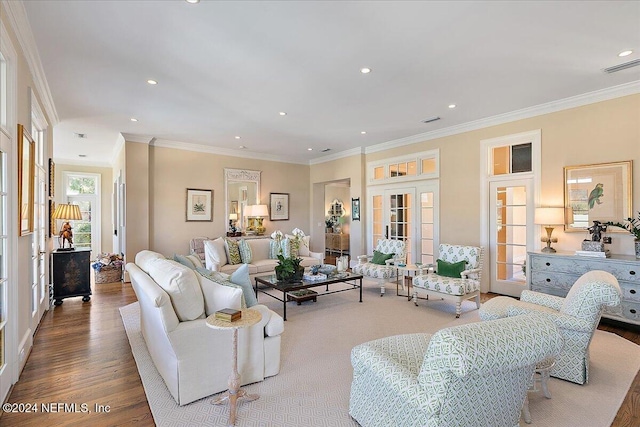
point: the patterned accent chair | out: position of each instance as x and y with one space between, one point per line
196 247
464 376
465 287
382 273
577 316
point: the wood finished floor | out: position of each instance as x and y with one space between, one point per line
81 355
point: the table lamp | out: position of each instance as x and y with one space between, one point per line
548 217
248 214
66 212
233 217
260 212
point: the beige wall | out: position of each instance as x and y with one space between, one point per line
106 188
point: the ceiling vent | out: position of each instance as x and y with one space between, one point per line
624 66
325 150
431 119
80 135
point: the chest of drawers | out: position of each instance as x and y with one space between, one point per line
555 273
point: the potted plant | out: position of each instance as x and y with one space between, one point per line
329 223
289 269
632 225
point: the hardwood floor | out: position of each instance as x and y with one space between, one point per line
81 355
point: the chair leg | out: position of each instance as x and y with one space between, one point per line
458 309
414 298
382 290
525 411
478 301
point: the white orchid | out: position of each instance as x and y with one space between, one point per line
277 235
298 233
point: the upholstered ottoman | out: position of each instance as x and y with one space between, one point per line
496 308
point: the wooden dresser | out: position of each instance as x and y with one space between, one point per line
336 242
555 273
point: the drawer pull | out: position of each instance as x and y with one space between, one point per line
632 291
547 264
633 273
633 311
548 280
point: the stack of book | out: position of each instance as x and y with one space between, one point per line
595 254
228 314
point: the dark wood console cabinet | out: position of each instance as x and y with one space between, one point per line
71 273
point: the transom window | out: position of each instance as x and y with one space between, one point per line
406 168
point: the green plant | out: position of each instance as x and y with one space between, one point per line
328 222
288 268
632 225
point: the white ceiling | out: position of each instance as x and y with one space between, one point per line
227 69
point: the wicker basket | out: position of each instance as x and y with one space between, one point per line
109 274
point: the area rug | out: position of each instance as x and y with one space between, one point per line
312 388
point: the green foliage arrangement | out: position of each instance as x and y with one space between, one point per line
632 225
288 269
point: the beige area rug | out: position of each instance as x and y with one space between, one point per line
312 388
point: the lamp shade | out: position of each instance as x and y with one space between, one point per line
260 210
67 212
549 216
248 210
233 216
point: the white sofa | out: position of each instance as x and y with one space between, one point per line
193 359
215 257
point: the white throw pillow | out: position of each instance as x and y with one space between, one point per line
215 255
144 258
181 283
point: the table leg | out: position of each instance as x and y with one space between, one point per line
284 305
235 392
360 290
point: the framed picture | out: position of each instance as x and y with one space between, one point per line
52 220
52 178
199 205
355 209
600 192
278 206
26 172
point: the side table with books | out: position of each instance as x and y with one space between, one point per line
248 317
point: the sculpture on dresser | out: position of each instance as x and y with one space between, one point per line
595 244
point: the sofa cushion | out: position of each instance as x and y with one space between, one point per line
181 283
259 249
245 251
451 269
265 265
144 258
219 294
215 255
232 251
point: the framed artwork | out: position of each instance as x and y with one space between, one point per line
234 207
355 209
278 206
26 172
199 205
600 192
52 220
52 178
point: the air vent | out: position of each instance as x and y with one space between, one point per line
81 135
325 150
624 66
431 119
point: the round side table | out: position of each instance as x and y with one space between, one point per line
401 272
249 318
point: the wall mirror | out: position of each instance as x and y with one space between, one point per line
241 189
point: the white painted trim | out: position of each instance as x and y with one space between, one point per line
142 139
24 348
76 162
116 149
525 113
20 24
417 157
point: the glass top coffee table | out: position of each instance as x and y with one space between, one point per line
352 281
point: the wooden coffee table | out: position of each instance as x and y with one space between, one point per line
353 281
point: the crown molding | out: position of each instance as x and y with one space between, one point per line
340 155
76 162
22 29
141 139
188 146
525 113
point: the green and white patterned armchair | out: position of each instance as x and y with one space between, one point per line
458 289
382 273
577 316
465 376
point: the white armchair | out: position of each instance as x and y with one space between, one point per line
458 289
465 376
577 316
382 272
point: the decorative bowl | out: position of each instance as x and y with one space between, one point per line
327 269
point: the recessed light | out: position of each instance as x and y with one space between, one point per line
133 119
237 137
82 155
80 135
365 70
363 132
309 149
152 82
242 147
192 1
282 113
625 53
452 106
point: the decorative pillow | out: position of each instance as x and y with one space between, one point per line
241 278
221 279
448 269
215 255
182 259
232 251
213 275
195 259
145 258
219 294
284 248
304 250
181 283
245 251
380 258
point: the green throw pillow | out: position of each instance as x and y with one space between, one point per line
380 258
233 252
449 269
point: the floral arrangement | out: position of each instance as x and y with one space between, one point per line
108 260
632 225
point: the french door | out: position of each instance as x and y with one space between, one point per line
510 233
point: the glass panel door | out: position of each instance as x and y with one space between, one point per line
399 211
428 230
511 237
